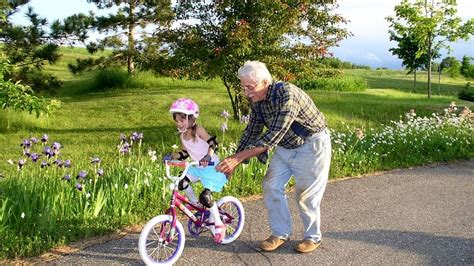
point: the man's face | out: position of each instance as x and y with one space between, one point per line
254 91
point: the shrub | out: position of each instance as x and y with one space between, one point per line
467 93
469 73
113 78
347 83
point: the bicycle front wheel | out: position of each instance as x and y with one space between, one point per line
159 244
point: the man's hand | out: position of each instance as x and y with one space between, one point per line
228 165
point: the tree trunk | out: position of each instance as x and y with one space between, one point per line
430 42
229 92
439 79
414 80
131 40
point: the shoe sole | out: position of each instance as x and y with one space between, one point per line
270 250
307 251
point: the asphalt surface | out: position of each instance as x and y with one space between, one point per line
422 215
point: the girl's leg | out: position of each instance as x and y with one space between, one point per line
218 230
188 190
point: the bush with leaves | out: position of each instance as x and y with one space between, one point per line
467 93
20 97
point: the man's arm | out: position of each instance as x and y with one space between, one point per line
228 165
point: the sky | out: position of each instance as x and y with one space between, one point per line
369 46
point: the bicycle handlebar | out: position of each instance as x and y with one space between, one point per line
181 164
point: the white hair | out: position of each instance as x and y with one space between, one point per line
256 70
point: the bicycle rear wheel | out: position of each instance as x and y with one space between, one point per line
153 243
233 215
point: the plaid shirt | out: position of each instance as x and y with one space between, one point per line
281 107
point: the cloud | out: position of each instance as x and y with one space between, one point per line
373 57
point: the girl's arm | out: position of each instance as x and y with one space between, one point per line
180 155
202 133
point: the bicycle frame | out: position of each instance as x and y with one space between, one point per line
182 203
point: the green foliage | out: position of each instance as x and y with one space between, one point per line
470 72
346 83
466 67
467 93
130 18
111 78
335 62
424 27
20 97
407 49
224 34
448 62
454 70
28 48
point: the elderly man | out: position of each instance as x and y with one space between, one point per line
296 129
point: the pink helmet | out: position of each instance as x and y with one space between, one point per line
185 106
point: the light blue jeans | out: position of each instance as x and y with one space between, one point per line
309 164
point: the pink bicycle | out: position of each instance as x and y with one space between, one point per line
162 239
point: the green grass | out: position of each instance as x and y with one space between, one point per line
39 210
399 80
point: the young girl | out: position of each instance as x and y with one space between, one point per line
200 146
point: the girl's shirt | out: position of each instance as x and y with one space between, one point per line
197 149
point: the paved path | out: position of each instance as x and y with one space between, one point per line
412 216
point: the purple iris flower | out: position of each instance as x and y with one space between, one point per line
225 114
56 146
34 140
81 175
35 157
25 143
122 138
49 152
95 160
224 127
44 138
67 163
125 148
27 152
100 172
21 163
58 162
44 164
67 177
79 186
136 136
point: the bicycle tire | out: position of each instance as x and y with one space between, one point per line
151 245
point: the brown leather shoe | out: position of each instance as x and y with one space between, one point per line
307 245
272 243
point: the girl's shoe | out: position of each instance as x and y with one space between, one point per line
220 234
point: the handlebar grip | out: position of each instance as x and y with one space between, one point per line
181 164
